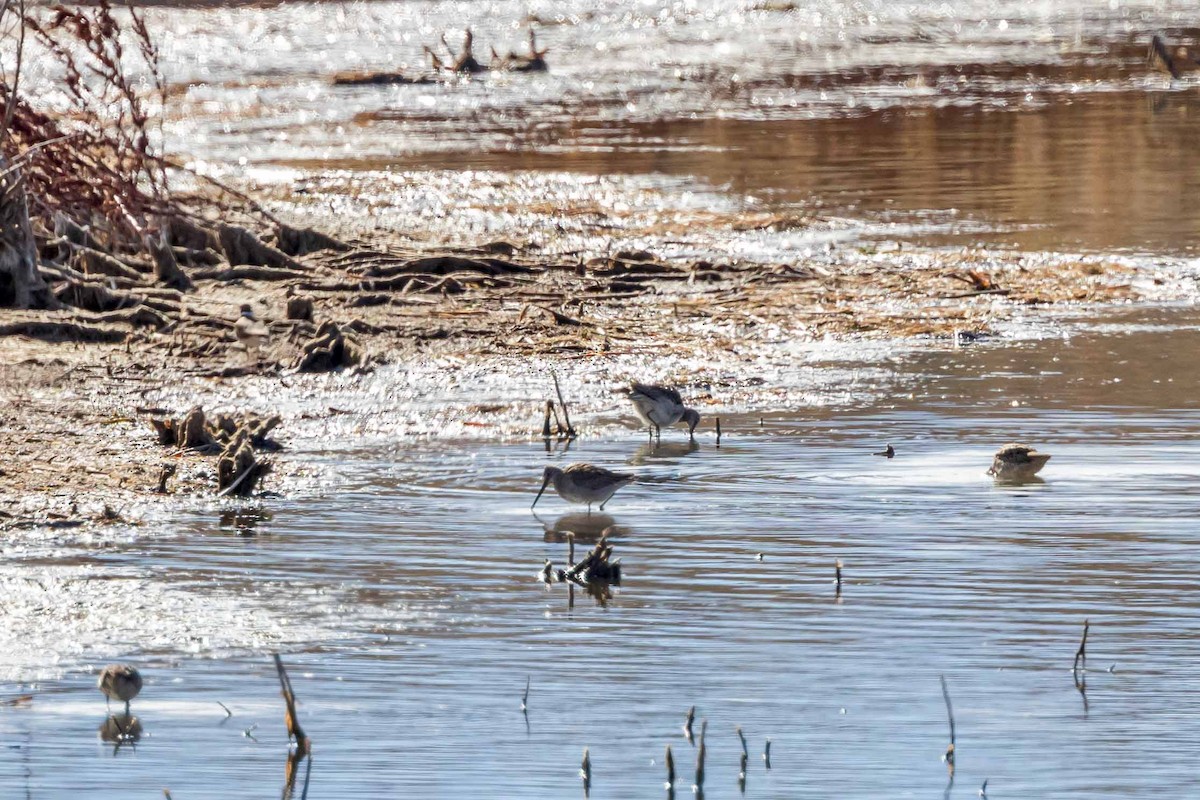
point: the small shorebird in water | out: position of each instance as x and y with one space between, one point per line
583 483
250 332
120 682
890 452
660 405
1016 462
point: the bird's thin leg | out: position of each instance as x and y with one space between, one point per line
602 505
126 709
590 509
658 431
108 705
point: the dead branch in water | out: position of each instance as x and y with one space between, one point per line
698 784
949 756
570 429
585 772
295 733
1081 653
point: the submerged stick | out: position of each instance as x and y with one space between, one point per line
1081 653
670 769
295 732
698 785
949 757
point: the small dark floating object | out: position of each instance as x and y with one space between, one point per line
381 79
890 452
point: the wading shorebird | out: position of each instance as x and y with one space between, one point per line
250 332
583 483
1015 462
120 682
659 405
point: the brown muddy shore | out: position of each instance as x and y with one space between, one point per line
78 443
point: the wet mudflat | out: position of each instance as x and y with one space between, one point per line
407 601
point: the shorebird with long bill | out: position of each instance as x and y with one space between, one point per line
657 406
583 484
120 682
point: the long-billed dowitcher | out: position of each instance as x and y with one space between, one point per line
1015 462
661 405
120 682
583 483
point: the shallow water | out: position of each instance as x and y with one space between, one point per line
407 603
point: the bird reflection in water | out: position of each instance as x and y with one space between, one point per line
586 527
120 730
653 451
244 521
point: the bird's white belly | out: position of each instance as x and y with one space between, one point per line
660 414
580 494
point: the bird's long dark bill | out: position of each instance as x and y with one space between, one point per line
545 483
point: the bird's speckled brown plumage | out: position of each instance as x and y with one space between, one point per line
1017 461
584 483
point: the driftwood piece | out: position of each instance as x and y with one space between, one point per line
166 268
597 566
302 241
330 350
198 430
185 233
300 308
241 246
446 265
249 273
239 470
65 228
93 296
94 262
535 61
381 79
62 330
21 282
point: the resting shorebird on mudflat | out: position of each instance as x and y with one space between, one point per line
120 682
1016 462
583 483
250 332
660 405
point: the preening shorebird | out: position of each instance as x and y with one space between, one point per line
660 405
583 483
1015 462
249 331
120 682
